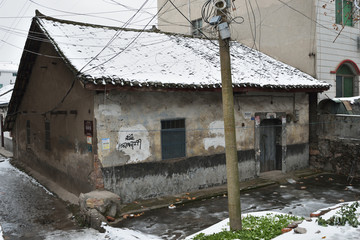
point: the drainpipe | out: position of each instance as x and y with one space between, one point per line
2 131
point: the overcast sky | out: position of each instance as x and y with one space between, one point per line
16 15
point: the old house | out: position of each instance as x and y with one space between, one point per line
145 108
319 37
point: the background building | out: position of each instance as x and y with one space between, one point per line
319 37
7 73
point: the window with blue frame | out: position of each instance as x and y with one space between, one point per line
173 139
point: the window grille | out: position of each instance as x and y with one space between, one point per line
173 138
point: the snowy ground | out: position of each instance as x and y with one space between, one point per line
50 233
91 234
1 235
314 231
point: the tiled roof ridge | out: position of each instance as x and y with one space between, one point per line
40 15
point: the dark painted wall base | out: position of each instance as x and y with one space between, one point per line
152 179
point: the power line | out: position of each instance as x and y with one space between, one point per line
133 40
115 36
192 23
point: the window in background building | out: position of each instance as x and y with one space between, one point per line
228 3
47 135
196 27
344 82
28 131
344 12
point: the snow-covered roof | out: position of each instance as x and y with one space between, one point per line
5 94
8 67
106 55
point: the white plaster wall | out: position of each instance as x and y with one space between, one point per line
329 53
133 141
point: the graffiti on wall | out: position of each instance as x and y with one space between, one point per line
133 141
130 142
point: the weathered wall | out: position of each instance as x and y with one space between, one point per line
338 147
135 169
339 126
68 161
152 179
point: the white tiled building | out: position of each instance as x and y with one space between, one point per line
7 73
319 37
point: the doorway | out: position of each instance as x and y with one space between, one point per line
270 145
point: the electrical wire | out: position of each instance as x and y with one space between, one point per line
131 42
115 36
192 22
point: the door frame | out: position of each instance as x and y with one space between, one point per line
270 144
259 116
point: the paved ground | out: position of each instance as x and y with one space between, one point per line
27 210
300 198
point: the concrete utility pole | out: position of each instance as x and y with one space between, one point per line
232 169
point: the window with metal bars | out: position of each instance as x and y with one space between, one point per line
196 27
173 139
47 135
28 132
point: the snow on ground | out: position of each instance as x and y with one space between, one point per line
1 234
314 231
6 164
86 233
110 234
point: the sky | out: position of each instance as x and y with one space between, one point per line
16 16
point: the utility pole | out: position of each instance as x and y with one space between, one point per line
232 169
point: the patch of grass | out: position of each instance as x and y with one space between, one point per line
254 228
346 214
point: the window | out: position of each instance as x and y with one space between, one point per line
344 12
28 131
196 27
173 138
14 74
344 82
47 135
228 3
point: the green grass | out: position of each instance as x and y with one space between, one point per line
254 228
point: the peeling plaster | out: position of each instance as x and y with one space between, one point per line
110 109
217 137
